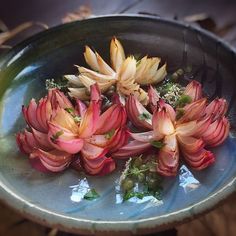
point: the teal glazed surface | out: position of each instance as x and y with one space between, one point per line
55 199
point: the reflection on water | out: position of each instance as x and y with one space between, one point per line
187 180
79 190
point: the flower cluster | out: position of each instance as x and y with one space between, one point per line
59 133
199 125
127 74
63 132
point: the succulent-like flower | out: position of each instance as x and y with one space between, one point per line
126 74
58 131
200 125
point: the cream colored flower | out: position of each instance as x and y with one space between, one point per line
126 74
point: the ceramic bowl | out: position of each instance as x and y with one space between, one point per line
54 199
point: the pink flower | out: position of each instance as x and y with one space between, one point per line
201 125
58 131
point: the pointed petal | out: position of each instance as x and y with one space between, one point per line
117 54
162 124
194 90
217 108
199 160
92 152
168 157
26 142
102 166
81 108
95 75
186 129
95 93
119 139
104 68
42 139
89 122
159 75
30 115
60 99
190 144
132 148
105 123
145 137
79 93
127 70
91 58
54 161
193 111
153 98
168 108
217 132
73 80
138 114
65 120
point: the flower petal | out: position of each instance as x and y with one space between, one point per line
101 166
162 124
117 54
217 132
135 111
168 157
26 142
102 78
81 108
92 152
54 160
118 140
145 137
42 139
169 109
193 111
65 120
72 146
132 148
153 98
113 118
199 160
96 62
90 58
30 115
194 90
190 144
217 108
79 93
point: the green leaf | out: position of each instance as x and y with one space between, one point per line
110 134
179 113
157 144
144 116
77 119
183 100
132 194
91 195
55 136
70 110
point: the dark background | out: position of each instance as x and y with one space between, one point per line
220 18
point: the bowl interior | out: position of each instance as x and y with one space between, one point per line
53 53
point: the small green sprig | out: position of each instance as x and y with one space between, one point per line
91 195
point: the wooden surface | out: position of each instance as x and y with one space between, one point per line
221 221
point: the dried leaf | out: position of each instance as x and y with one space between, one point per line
3 27
11 33
82 13
209 23
53 232
204 20
225 29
